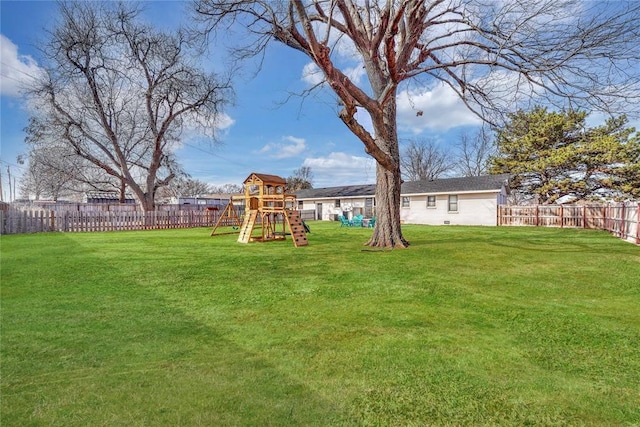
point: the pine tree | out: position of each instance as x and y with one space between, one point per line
554 154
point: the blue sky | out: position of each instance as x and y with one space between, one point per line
265 135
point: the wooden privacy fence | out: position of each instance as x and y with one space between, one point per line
34 221
622 219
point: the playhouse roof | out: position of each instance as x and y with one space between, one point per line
265 178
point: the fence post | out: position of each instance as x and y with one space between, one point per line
638 225
561 216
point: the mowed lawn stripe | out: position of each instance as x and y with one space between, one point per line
470 325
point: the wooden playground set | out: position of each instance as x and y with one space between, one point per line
269 210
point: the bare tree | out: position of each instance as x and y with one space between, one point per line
31 183
188 187
474 153
55 168
423 159
44 175
228 189
492 55
120 94
301 179
194 187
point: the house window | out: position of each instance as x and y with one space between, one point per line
300 204
405 201
337 203
453 203
431 201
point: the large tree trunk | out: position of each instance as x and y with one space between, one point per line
387 232
145 198
123 191
148 202
148 206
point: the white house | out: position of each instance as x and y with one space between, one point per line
455 201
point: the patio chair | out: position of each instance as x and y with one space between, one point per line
344 222
372 222
357 221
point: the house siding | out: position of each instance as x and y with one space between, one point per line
348 206
477 200
473 209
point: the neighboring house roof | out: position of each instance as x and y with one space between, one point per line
446 185
225 196
212 196
107 195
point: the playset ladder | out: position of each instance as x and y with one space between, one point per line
296 226
247 226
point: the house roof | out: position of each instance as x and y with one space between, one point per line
337 192
460 185
445 185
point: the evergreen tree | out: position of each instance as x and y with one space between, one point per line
553 154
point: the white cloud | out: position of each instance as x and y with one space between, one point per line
223 121
341 169
16 70
437 108
312 75
292 147
355 74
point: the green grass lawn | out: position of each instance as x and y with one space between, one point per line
469 326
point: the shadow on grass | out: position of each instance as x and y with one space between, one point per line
552 240
84 343
589 242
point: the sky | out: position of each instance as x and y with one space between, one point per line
267 130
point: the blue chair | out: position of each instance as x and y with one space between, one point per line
357 221
372 222
344 222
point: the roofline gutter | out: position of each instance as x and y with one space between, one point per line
437 193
